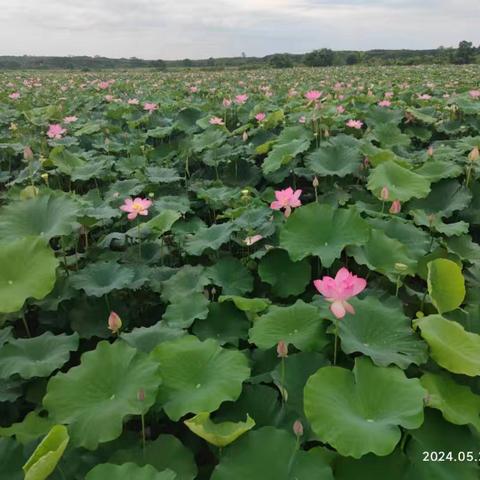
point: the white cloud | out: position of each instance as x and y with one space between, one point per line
201 28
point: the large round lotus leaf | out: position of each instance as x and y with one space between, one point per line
93 398
36 357
402 184
218 434
381 253
339 157
43 216
285 277
437 435
198 376
212 237
146 339
300 324
98 279
451 346
183 311
446 284
185 282
32 427
458 404
165 453
435 170
371 467
28 269
361 411
445 198
44 459
323 231
11 460
381 330
225 323
269 453
128 471
230 274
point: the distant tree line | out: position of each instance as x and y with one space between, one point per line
465 53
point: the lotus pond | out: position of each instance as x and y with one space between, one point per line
262 275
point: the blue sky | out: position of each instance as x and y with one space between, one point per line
172 29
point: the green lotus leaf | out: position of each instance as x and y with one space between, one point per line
28 270
290 143
251 305
163 222
435 170
209 238
218 434
381 331
48 453
445 198
451 346
93 398
339 157
128 471
146 339
38 356
44 216
98 279
361 412
464 247
446 284
402 184
225 323
458 404
230 274
157 174
300 324
270 453
437 435
323 231
29 429
198 376
436 224
5 335
184 283
166 452
381 253
183 312
286 277
389 135
11 459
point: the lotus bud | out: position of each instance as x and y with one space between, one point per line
151 194
400 267
430 151
298 428
114 323
27 154
141 395
315 182
245 136
282 349
396 207
474 155
384 194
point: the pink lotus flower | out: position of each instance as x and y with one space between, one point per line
70 119
216 121
260 117
139 206
103 85
358 124
109 98
133 101
474 93
193 89
14 96
150 107
339 289
340 109
313 95
302 119
286 199
425 96
241 99
55 131
384 194
388 94
282 349
253 239
385 103
114 322
396 207
226 102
